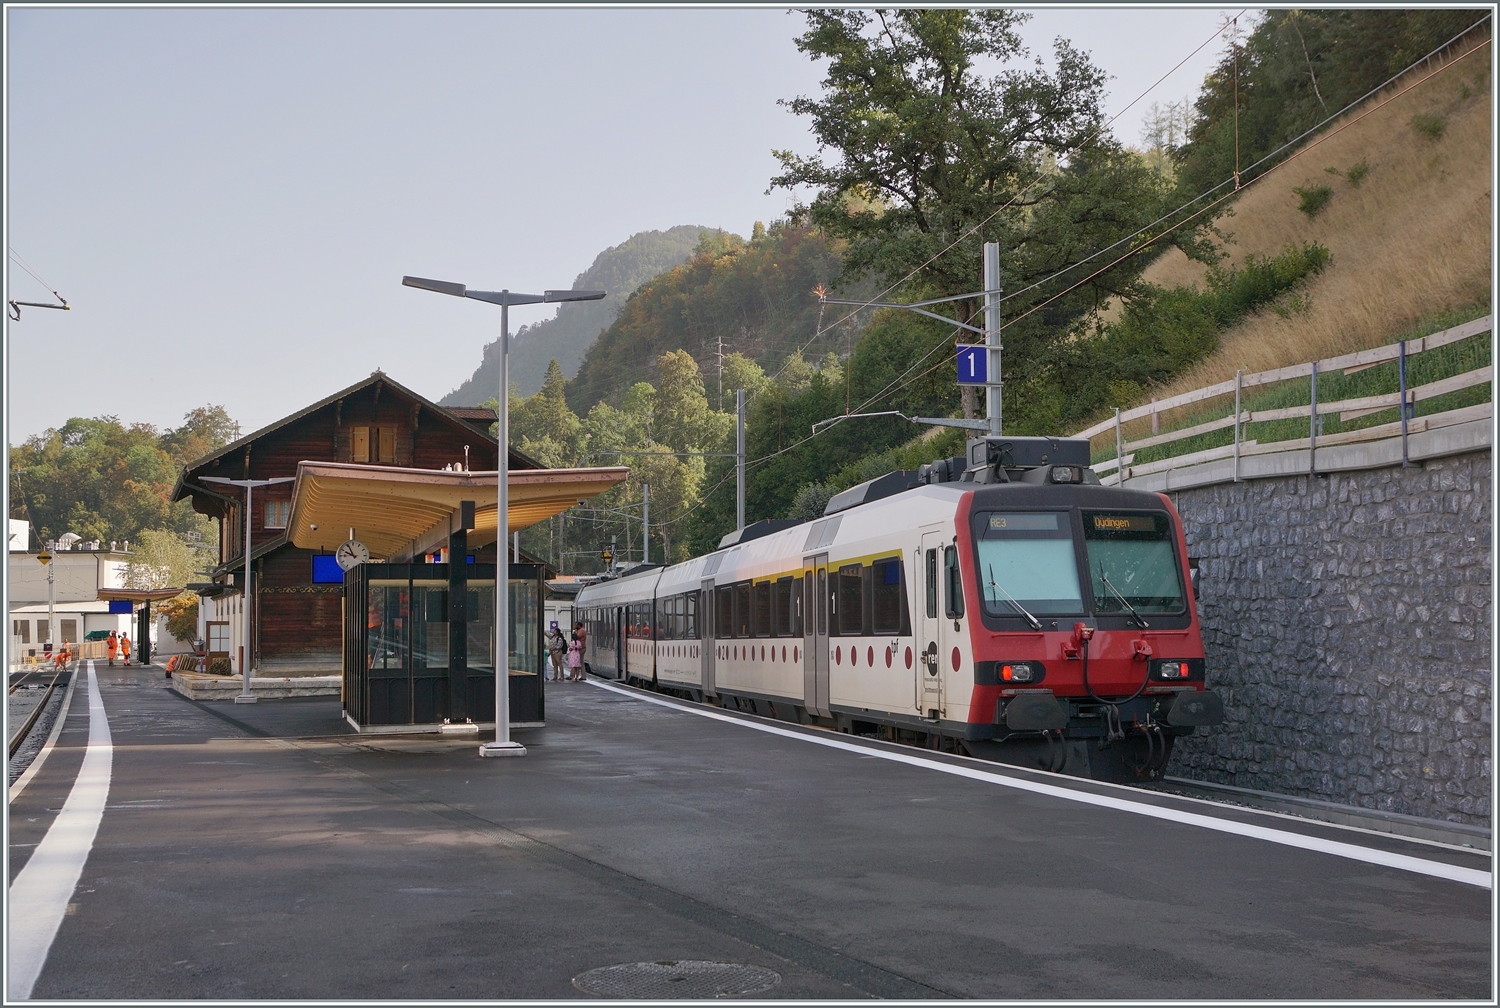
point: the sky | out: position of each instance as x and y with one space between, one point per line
229 198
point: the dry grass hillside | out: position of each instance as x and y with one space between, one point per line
1411 239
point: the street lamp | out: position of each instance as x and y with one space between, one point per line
45 559
502 746
245 695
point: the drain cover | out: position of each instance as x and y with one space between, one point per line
676 979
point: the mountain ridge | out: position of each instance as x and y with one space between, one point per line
619 270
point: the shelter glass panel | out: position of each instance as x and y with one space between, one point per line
429 626
387 614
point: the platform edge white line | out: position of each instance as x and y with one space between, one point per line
1401 862
44 887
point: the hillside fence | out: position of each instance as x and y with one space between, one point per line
1177 460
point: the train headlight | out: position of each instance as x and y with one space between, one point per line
1067 474
1173 670
1017 672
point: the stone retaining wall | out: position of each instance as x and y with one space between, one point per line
1347 624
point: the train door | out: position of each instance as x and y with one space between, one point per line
708 645
815 636
622 646
928 688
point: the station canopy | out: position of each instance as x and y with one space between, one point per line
399 513
138 594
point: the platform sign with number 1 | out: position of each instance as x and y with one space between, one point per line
973 365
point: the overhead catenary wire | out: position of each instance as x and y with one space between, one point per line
1348 107
1024 189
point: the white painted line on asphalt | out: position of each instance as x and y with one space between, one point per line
40 895
41 757
1387 859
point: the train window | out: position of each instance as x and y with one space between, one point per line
822 601
932 591
890 614
953 582
724 612
742 609
1133 552
690 616
781 607
760 615
1026 562
851 600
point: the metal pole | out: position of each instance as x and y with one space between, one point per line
992 399
245 695
739 458
645 523
52 604
1312 424
1119 451
516 552
502 746
1237 424
1401 373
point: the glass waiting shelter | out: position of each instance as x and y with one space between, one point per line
419 645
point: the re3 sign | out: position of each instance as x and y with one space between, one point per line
973 365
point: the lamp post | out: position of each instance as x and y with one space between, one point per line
245 695
502 746
45 559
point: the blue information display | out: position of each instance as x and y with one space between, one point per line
973 365
123 607
326 569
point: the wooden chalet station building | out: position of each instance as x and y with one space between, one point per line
411 633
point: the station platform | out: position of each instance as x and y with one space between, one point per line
266 852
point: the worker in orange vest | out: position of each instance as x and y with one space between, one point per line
125 647
112 645
61 659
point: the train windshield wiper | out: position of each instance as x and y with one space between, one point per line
1135 615
1036 624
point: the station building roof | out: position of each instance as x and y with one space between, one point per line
398 513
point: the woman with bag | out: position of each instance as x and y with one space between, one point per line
557 651
575 654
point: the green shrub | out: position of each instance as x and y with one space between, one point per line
1356 174
1431 125
1313 199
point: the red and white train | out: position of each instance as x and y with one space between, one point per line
1002 604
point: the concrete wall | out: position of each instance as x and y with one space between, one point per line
1347 623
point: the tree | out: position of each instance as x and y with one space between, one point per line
101 480
204 430
543 427
163 559
182 615
923 158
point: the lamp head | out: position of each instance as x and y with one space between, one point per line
440 286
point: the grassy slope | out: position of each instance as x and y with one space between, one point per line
1410 242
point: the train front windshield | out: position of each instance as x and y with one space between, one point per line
1027 559
1131 558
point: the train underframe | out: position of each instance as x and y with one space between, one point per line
1123 743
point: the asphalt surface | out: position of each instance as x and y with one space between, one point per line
235 861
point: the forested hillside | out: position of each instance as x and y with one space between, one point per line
731 296
618 271
1401 199
101 479
919 167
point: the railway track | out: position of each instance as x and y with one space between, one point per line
25 729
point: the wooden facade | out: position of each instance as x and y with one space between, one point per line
297 624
